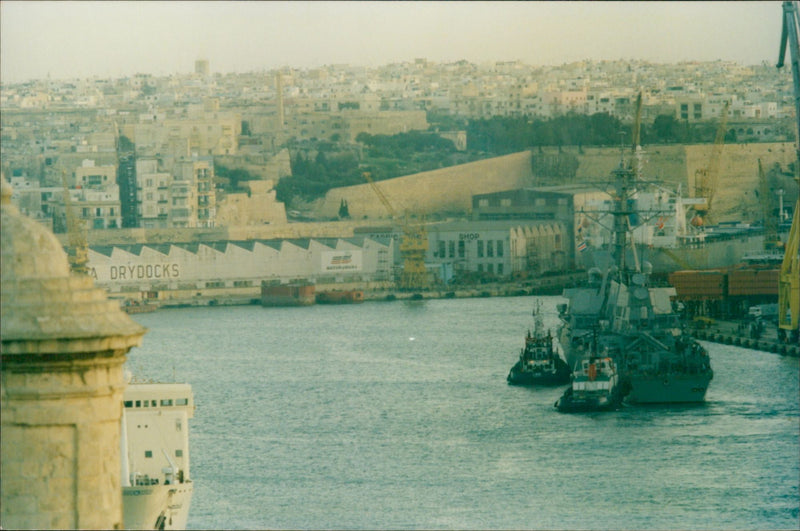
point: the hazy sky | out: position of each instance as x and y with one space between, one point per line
114 39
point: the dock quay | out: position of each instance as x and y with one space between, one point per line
733 333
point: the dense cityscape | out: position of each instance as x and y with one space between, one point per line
191 124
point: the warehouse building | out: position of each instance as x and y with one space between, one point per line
198 271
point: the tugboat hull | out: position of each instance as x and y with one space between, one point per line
570 403
519 376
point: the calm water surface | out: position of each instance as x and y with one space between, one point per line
398 416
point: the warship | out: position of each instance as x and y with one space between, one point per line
539 362
621 315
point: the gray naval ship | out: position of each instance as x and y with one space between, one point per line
618 314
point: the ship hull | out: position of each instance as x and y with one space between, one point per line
667 389
519 376
571 403
156 506
340 297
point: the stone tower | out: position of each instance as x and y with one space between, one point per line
63 346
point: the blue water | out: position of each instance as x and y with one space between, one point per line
398 416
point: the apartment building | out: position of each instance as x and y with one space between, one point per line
192 194
152 194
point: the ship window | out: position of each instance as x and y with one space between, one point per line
148 453
153 403
166 402
146 403
138 403
181 401
128 403
178 453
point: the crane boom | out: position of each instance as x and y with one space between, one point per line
79 247
707 179
379 193
789 280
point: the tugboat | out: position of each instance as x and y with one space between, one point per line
595 387
632 321
539 363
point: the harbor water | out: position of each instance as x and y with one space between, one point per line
397 415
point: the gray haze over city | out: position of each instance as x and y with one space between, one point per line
115 39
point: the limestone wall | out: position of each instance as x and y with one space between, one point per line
735 198
445 190
257 207
675 165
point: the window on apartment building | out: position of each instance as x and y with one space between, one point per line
505 202
451 248
98 212
461 248
557 241
441 249
483 202
499 269
480 248
489 248
499 247
148 182
149 196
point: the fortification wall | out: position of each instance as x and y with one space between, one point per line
736 197
445 190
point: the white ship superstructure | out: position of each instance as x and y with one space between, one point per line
156 482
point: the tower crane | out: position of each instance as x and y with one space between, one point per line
789 279
78 245
413 246
706 179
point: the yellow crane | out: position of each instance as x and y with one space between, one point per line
706 179
413 245
789 279
78 251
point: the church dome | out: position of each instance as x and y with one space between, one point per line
29 250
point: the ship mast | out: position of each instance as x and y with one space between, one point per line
624 185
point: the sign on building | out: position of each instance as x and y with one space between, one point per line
336 261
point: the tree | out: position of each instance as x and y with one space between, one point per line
665 127
344 211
